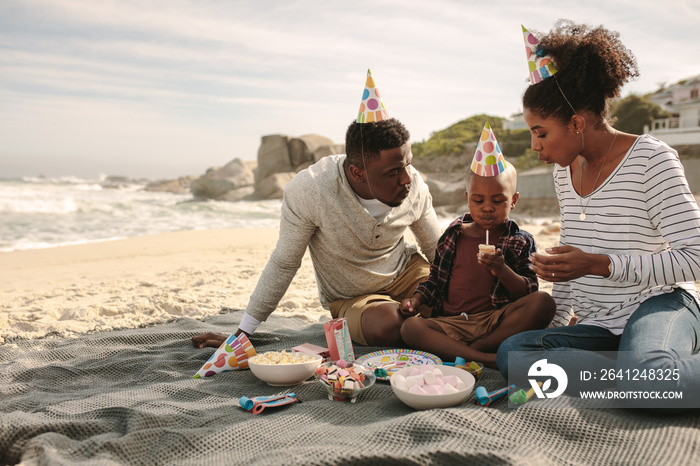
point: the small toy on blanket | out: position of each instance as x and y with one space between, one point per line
257 404
485 398
232 355
473 367
521 396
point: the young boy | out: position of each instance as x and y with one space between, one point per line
479 299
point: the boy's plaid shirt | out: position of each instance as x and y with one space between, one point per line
516 244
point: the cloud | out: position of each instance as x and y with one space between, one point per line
206 79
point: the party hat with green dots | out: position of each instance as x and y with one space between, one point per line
540 66
488 159
372 107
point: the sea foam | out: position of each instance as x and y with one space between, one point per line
40 212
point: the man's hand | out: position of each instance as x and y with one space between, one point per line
212 340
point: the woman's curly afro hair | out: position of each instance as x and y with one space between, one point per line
593 66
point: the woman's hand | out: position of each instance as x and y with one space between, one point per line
564 263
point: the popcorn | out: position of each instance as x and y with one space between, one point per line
284 357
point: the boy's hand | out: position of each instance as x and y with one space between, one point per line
495 262
409 307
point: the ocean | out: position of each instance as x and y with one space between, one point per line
49 212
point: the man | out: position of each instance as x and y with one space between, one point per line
351 211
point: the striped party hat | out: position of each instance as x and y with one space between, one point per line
540 66
488 158
372 107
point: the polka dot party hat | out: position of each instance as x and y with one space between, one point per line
372 107
488 158
232 355
540 66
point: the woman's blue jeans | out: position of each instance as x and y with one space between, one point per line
662 334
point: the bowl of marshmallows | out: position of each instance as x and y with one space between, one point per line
432 386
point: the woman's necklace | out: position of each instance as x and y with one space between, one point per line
582 215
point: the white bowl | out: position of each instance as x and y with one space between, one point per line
420 402
283 375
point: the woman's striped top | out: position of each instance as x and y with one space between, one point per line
647 221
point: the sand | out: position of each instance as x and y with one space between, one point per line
71 290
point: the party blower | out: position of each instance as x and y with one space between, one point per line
485 398
257 404
521 396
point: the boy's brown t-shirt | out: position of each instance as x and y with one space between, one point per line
470 284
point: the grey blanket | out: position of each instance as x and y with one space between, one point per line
128 397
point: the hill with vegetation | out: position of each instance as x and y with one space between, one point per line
448 152
452 148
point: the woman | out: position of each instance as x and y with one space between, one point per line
630 227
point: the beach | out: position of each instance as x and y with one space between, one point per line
67 291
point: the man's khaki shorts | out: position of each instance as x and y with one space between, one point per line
403 287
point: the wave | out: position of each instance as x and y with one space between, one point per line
47 214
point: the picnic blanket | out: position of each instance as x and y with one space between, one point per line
128 397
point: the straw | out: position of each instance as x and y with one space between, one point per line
487 237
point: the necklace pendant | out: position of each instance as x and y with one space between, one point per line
582 216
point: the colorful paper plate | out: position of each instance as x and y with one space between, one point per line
392 360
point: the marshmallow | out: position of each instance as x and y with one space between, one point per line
412 380
417 389
448 389
432 389
400 381
428 380
450 380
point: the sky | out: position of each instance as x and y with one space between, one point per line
159 89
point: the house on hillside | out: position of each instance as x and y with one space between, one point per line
515 122
682 100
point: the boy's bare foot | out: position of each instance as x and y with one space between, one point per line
210 339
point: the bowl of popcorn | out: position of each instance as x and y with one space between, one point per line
284 368
344 381
430 386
